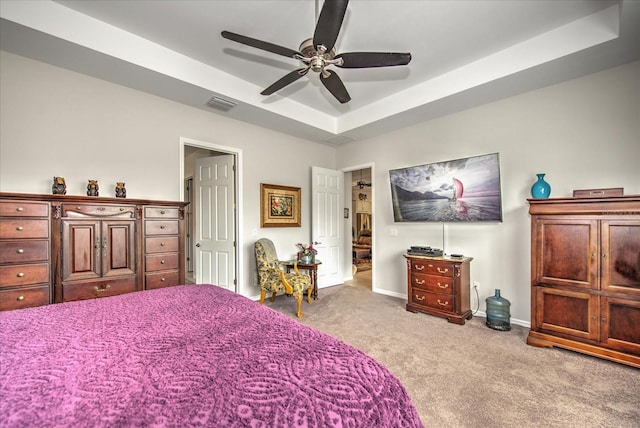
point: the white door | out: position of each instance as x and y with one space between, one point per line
326 218
215 226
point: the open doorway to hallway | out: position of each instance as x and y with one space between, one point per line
362 225
209 177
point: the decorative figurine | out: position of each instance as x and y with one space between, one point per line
121 192
59 186
92 188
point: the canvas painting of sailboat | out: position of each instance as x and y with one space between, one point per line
465 189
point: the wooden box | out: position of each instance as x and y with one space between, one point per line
598 193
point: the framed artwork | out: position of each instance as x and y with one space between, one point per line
279 206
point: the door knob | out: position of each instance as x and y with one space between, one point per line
198 245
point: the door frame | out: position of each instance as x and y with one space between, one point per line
348 190
237 153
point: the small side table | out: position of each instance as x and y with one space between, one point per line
312 270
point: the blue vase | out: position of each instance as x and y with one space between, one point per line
540 189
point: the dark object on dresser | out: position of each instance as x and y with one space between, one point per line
439 286
585 286
92 188
59 186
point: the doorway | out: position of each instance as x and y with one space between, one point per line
361 190
210 173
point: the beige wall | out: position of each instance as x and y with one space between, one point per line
583 134
54 122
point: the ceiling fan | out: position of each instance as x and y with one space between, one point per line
362 184
319 52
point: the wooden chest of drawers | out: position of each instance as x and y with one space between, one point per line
60 248
163 240
439 286
25 254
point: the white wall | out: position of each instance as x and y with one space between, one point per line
583 134
54 122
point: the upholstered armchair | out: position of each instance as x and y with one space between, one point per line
362 246
273 279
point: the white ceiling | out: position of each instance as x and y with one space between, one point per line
465 53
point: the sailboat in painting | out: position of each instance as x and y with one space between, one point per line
458 189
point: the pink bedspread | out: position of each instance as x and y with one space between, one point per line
193 355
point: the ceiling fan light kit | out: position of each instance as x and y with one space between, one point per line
319 52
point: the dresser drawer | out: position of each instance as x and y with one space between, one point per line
24 209
95 289
161 212
98 210
13 275
161 262
24 229
25 297
164 244
442 302
24 251
433 283
433 267
161 279
159 227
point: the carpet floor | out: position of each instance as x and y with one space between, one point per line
471 375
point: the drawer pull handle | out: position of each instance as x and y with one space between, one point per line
446 270
420 299
101 208
20 274
79 208
443 304
162 227
20 251
162 244
161 262
162 280
20 298
19 209
121 209
443 285
420 282
101 290
162 212
419 267
19 228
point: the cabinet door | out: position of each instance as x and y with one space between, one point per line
621 256
570 313
621 324
118 247
566 252
81 249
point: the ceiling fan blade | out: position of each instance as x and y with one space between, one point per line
334 84
286 80
265 46
372 59
329 23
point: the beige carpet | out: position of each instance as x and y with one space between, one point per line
473 376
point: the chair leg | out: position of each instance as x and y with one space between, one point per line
263 294
309 292
298 297
273 297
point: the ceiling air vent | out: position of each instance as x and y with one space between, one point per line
220 104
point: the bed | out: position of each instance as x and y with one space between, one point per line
190 355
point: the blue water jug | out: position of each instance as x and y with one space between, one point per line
498 315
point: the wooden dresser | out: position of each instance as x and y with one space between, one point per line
25 253
59 248
585 276
439 286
